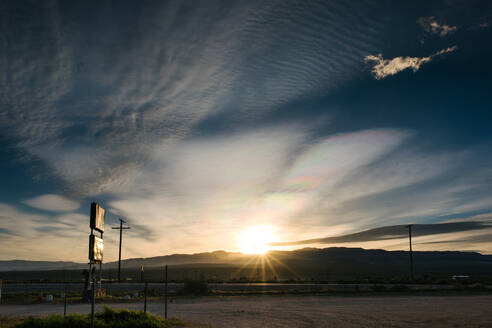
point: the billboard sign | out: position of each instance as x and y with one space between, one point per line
97 217
96 248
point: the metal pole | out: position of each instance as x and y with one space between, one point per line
100 269
65 302
165 293
100 275
119 256
93 301
145 297
89 278
90 262
411 253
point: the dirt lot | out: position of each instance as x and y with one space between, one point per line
309 311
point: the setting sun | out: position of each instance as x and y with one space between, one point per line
256 240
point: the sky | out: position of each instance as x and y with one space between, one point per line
200 121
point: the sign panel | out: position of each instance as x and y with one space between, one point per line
97 217
96 248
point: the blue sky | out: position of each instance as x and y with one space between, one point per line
198 120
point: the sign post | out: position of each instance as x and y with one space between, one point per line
96 250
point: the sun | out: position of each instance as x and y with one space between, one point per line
256 239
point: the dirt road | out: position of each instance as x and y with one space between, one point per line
308 311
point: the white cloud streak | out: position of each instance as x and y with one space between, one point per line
51 202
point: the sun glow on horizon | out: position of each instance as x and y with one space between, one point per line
256 239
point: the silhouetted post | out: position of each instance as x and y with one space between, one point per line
165 292
121 227
65 302
141 273
145 297
100 274
411 254
119 253
93 300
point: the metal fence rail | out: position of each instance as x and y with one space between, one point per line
43 288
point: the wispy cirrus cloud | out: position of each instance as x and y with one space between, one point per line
263 176
386 67
95 111
115 102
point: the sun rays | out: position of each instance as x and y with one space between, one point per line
266 267
261 262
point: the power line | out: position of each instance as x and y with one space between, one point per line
121 228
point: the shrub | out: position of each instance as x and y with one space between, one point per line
109 318
56 321
195 287
7 322
379 288
399 288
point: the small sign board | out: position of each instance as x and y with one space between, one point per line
96 248
97 217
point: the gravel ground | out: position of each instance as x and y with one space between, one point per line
308 311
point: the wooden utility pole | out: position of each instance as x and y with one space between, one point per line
411 253
121 228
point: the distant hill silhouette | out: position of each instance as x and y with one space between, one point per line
327 264
21 265
314 259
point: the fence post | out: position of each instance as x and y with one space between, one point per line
145 297
65 301
165 294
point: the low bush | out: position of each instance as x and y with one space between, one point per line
379 288
109 318
196 287
400 288
7 322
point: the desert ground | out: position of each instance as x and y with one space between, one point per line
307 311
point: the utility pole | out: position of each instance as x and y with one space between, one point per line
121 228
411 254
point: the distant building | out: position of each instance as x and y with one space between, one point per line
460 276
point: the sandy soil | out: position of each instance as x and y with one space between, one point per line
309 311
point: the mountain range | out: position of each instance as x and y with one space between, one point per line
334 263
